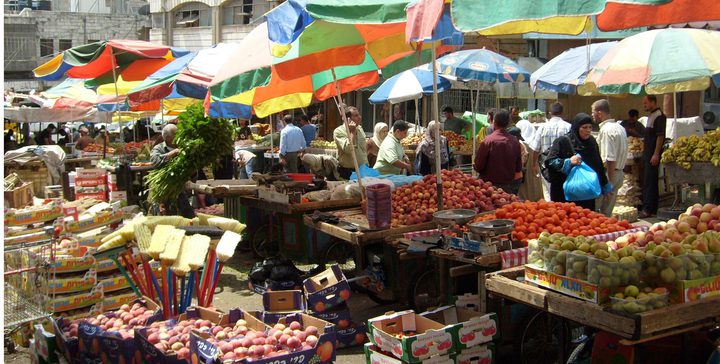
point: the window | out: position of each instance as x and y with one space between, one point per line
193 15
158 20
65 44
47 47
237 12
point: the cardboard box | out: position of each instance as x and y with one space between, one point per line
90 173
323 352
693 290
354 335
118 195
271 285
279 304
113 301
44 344
85 282
82 261
100 196
374 355
90 182
69 302
32 216
20 196
115 283
468 301
469 328
116 349
338 315
430 337
203 351
567 286
68 346
327 289
95 222
148 353
479 354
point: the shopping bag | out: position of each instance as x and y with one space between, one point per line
582 184
365 171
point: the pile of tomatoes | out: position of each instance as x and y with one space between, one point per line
532 218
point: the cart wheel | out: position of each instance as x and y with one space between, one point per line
261 240
343 254
541 340
424 291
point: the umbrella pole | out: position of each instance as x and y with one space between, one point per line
272 157
341 108
374 116
117 102
436 117
474 125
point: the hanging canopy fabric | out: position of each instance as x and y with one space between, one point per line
520 17
522 90
408 85
38 115
565 72
619 15
160 84
359 12
657 62
96 59
73 89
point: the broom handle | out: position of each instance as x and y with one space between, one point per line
165 301
215 283
205 277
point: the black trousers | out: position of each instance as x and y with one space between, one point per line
650 190
345 172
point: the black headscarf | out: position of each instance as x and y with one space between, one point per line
578 143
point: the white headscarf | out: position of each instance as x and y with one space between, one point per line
376 133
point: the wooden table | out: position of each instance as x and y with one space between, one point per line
667 321
297 208
224 187
84 162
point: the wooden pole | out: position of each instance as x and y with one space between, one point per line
436 117
117 103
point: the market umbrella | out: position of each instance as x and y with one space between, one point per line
519 16
98 58
619 15
160 84
71 93
565 72
408 85
658 61
481 65
194 80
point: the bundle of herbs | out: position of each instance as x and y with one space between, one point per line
202 141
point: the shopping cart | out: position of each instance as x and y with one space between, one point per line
28 270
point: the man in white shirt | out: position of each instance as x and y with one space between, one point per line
543 138
613 152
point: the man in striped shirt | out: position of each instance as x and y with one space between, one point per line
543 138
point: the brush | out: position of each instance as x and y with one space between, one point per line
167 258
225 250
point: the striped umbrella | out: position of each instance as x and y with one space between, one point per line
658 61
565 72
408 85
481 65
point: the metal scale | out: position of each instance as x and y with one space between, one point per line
448 220
493 235
279 188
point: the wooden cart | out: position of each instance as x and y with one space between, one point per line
667 321
355 245
282 222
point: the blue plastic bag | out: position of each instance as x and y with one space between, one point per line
582 184
365 171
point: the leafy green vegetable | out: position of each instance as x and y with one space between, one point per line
202 141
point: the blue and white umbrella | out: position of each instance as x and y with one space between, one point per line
567 71
481 65
408 85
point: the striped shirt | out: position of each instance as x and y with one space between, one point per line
546 133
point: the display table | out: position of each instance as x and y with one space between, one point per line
671 320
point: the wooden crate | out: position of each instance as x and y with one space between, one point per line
19 196
34 171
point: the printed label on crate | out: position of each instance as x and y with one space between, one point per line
29 238
90 173
476 332
95 222
424 345
89 182
479 354
373 356
693 290
60 304
74 284
114 284
65 264
114 302
27 217
101 196
568 286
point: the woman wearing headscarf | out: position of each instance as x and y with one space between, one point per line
425 153
569 150
380 131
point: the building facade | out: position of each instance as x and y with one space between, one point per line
32 37
200 24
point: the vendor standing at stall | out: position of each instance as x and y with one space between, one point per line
498 159
454 124
84 139
309 130
292 142
653 140
342 141
392 158
45 136
380 131
160 156
244 132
